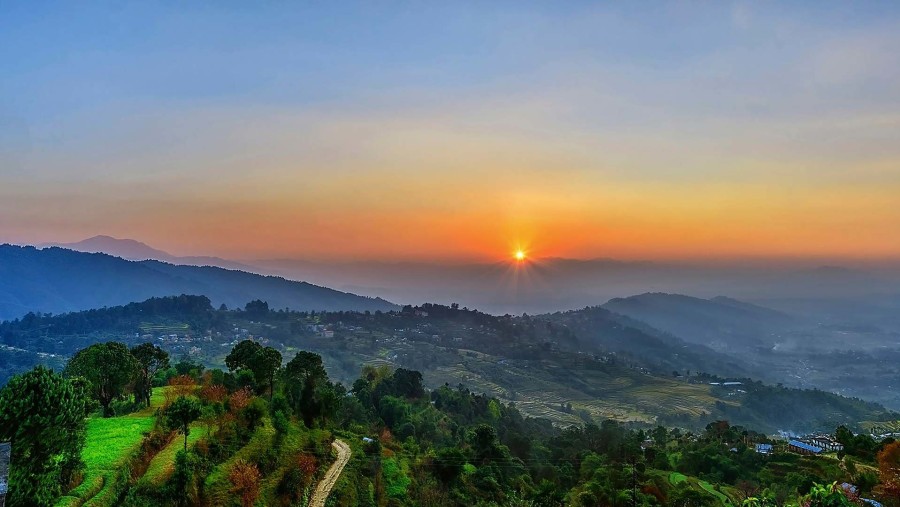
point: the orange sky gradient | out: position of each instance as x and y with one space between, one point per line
591 131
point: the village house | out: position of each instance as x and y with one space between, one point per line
803 448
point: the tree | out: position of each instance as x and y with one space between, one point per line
268 362
181 414
256 309
305 377
43 415
151 359
245 479
263 362
407 383
889 471
108 368
182 484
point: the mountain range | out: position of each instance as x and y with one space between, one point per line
58 280
134 250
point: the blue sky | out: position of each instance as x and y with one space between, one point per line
613 117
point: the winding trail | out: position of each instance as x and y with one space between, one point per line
332 475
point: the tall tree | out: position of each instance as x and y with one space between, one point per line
109 369
266 366
43 415
263 362
151 359
181 413
304 377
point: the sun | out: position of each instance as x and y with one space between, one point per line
519 255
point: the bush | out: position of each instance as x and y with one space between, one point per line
182 485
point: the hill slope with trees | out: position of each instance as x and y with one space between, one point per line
261 433
56 280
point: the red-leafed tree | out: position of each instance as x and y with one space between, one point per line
245 478
889 472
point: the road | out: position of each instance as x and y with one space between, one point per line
332 475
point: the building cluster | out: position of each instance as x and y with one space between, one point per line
810 445
814 444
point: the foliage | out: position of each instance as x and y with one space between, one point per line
263 362
889 471
181 414
245 479
150 359
182 487
447 446
395 479
42 414
108 368
307 387
826 496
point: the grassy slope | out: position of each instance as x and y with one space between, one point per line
605 392
676 478
108 445
162 465
217 485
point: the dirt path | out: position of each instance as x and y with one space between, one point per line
332 475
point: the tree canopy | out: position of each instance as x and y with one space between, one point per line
108 368
43 415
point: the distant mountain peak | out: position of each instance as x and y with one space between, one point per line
130 249
134 250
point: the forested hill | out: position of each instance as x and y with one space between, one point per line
57 280
598 329
531 361
721 321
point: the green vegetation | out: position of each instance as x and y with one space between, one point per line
571 368
42 415
261 433
676 478
163 464
109 444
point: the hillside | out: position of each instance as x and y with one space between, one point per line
210 437
721 323
134 250
531 361
58 280
598 329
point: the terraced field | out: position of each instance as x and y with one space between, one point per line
539 388
146 327
110 443
881 427
163 464
217 485
676 478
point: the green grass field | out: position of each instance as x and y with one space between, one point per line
108 445
676 478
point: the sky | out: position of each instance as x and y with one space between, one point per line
452 131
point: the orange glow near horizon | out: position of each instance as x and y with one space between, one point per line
387 157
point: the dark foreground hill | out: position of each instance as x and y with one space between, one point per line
58 280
